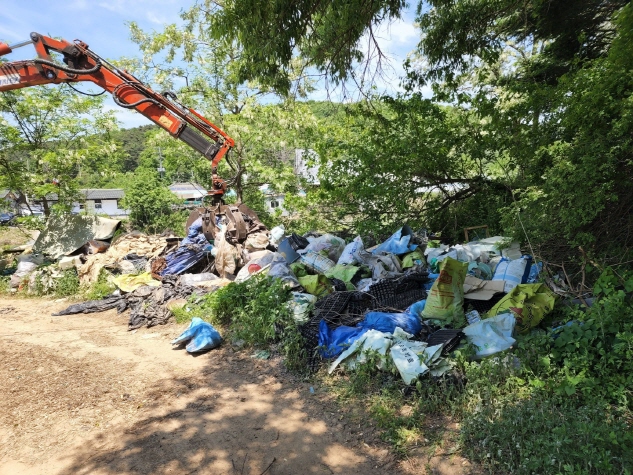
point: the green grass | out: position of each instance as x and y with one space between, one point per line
101 288
560 406
255 313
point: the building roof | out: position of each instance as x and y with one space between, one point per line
94 194
188 190
4 193
103 194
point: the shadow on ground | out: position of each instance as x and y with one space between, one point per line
230 419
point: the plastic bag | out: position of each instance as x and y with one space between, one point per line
333 342
316 262
344 273
227 256
194 234
529 303
27 264
414 258
398 243
351 253
535 272
277 234
131 282
254 265
384 267
279 269
193 279
446 298
417 308
200 335
406 356
491 335
256 242
332 244
317 285
371 341
513 272
388 322
301 305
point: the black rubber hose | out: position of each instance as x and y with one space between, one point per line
125 105
68 70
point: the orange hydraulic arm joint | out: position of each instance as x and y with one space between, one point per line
82 64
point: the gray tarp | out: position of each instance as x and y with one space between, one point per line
65 234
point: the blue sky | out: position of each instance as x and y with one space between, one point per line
102 24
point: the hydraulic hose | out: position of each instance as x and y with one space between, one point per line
68 70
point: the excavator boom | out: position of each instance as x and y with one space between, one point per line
81 65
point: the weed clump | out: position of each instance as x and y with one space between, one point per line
254 312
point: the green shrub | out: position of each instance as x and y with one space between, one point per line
254 312
101 288
539 435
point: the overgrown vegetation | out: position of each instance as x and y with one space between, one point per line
561 402
101 288
255 314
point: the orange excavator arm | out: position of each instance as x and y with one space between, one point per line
82 64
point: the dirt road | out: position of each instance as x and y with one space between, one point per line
82 395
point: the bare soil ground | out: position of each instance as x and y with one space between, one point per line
12 236
82 395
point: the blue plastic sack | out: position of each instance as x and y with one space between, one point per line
387 322
432 278
194 234
416 308
535 271
398 243
333 342
200 335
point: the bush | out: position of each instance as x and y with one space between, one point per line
256 313
101 288
150 203
539 435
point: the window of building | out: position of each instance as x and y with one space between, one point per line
81 206
274 204
97 204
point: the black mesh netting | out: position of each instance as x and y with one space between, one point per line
400 293
349 308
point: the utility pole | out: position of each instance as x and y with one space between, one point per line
160 168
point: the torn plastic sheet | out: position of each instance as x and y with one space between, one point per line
491 335
411 358
398 243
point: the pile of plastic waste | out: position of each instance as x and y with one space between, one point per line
411 299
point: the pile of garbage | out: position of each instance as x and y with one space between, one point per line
408 302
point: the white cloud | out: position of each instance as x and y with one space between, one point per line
404 32
8 34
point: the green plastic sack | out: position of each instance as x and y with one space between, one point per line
317 285
409 259
529 303
446 298
344 273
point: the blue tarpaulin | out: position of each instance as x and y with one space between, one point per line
398 243
191 251
200 335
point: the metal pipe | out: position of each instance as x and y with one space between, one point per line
19 45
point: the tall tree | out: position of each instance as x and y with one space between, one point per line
51 137
204 71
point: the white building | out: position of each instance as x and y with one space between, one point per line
106 201
303 169
190 192
274 200
96 201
